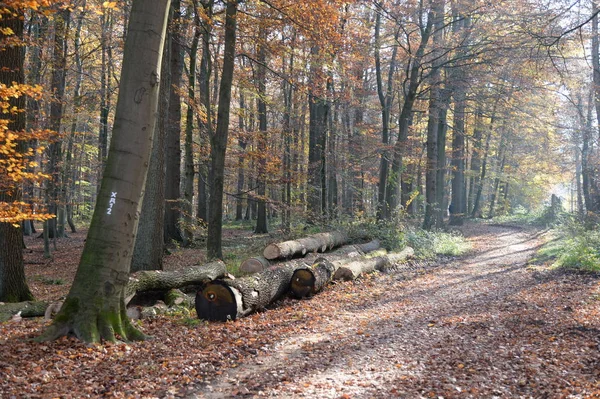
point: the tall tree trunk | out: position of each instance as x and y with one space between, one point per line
188 190
104 95
458 205
432 207
13 286
56 187
318 109
476 212
173 139
476 153
206 124
69 178
218 141
261 217
386 99
94 309
149 242
239 201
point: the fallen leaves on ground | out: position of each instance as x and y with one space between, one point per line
482 326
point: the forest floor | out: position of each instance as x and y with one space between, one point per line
488 324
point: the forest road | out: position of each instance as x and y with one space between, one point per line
485 325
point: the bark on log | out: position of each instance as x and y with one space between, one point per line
227 299
157 280
352 270
259 263
314 243
309 280
27 309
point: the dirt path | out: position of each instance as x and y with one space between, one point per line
483 326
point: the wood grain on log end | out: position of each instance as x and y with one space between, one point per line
303 283
217 301
254 265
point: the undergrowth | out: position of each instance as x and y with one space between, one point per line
573 246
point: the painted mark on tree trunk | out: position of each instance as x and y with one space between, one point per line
111 203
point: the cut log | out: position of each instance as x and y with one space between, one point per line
308 280
27 309
314 243
254 265
157 280
231 299
352 270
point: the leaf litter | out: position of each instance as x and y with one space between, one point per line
484 325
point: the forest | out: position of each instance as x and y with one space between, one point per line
151 146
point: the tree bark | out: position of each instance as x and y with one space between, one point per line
94 309
172 231
315 243
149 243
188 190
354 269
261 216
157 280
218 141
13 286
222 300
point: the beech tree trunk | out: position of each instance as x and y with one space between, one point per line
94 309
149 243
173 139
218 141
222 300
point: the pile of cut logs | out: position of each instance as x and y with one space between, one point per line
303 267
315 264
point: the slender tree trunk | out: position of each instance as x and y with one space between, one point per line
261 217
385 101
318 109
432 207
172 231
239 201
206 124
476 153
94 309
218 140
476 213
188 191
458 205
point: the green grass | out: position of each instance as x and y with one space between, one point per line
429 244
571 248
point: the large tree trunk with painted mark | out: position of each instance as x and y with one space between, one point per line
95 310
315 243
228 299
